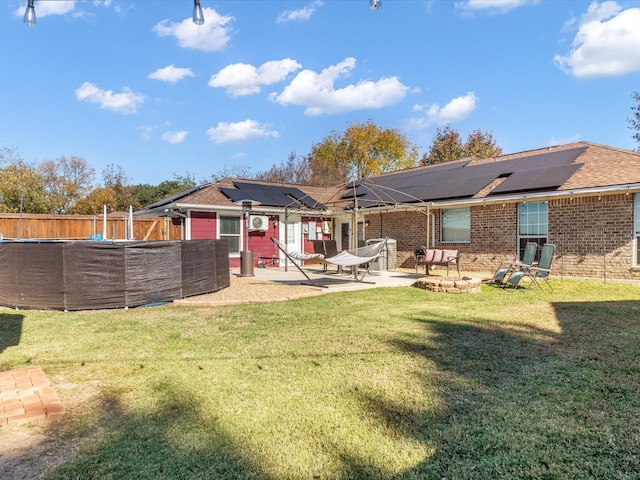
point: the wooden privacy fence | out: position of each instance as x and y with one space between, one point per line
83 227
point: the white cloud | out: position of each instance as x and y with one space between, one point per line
171 74
175 137
44 9
456 110
242 79
317 92
495 6
606 44
126 102
59 7
212 36
300 15
228 132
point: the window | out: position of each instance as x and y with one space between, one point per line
230 231
636 223
533 224
456 225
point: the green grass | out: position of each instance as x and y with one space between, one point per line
393 383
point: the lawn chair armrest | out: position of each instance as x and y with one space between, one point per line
539 269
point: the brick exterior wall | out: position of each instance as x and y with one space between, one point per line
593 236
408 229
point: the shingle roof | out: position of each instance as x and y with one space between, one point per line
602 165
579 165
212 195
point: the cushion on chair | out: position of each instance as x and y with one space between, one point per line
450 256
430 256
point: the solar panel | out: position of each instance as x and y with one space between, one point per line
308 201
459 179
233 194
441 182
537 179
270 195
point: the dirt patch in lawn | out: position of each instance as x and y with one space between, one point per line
251 290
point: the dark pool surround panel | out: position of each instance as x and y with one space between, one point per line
83 275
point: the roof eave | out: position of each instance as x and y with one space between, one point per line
546 195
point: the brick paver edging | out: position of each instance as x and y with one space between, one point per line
25 395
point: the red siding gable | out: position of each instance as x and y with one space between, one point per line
203 225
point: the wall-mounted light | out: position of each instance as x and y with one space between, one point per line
30 15
198 16
375 4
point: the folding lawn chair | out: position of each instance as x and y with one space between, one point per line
507 268
537 272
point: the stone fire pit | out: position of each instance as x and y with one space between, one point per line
449 284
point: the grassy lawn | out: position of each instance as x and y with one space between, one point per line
395 383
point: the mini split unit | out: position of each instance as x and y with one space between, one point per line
258 223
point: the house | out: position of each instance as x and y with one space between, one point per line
248 213
583 197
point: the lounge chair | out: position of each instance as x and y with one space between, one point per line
331 250
507 268
347 258
318 247
537 272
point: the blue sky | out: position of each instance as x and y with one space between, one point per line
137 84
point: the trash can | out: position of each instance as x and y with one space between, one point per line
388 259
246 263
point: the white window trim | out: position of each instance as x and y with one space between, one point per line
442 240
241 234
532 237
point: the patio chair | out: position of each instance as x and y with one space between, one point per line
537 272
507 268
318 247
331 250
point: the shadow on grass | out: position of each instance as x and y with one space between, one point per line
514 401
10 330
154 445
525 403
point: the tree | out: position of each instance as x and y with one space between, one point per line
481 145
364 149
634 121
93 204
115 194
66 181
325 162
114 175
8 155
294 170
235 171
447 146
147 194
116 179
22 189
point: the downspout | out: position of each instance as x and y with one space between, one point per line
286 237
431 239
428 226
